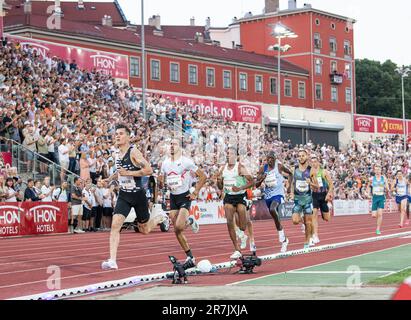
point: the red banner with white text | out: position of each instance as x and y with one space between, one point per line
364 124
390 126
33 218
115 65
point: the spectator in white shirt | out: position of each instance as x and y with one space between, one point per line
10 194
62 194
87 206
47 190
63 157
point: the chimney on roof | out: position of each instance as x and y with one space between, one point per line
208 23
155 21
27 7
272 6
292 4
192 22
199 37
107 21
80 5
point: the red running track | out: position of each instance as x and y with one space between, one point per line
24 261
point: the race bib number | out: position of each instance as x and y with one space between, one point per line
229 184
302 186
127 182
271 181
174 182
401 191
320 182
378 190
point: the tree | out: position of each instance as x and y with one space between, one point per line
378 89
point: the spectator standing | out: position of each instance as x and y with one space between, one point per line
77 206
47 190
63 158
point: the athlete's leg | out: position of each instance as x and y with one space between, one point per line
118 221
314 229
379 219
403 209
229 213
274 214
308 227
179 227
242 216
150 225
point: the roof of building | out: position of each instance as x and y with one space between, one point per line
92 13
176 32
114 35
293 11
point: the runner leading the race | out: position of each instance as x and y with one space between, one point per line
271 175
176 172
322 194
234 179
379 186
131 167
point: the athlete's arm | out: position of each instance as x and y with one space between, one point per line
202 178
291 185
260 177
220 184
250 181
138 160
330 193
387 187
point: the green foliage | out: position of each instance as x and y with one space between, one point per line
394 279
379 89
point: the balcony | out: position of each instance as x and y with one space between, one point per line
336 78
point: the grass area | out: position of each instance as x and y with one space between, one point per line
394 279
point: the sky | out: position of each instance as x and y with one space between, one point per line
381 31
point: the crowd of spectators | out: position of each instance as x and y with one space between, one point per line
68 116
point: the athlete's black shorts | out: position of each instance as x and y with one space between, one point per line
107 212
136 200
319 201
180 201
235 200
86 214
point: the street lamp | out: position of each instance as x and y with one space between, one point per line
403 71
143 62
280 31
350 67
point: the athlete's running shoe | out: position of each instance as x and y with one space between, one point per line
407 222
315 239
236 255
378 232
311 243
194 224
109 265
306 246
253 247
189 263
284 245
243 238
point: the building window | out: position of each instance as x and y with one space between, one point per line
288 88
174 72
134 67
347 48
155 70
192 74
243 81
348 70
227 79
318 66
273 86
317 41
210 77
333 66
347 95
301 90
333 26
347 29
259 84
317 22
333 44
318 91
334 94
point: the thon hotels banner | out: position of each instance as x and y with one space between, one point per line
112 64
32 218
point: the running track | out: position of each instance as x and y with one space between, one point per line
24 261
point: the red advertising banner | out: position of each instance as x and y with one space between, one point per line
108 63
390 126
32 218
6 158
229 110
364 124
